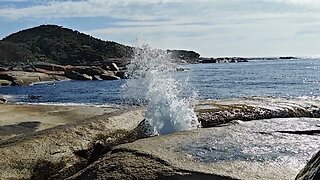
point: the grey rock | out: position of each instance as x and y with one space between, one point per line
3 69
110 67
96 77
59 152
215 112
267 149
77 76
89 70
5 82
25 78
3 100
16 68
312 170
109 77
28 69
121 74
48 66
114 67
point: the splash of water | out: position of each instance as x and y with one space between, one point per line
151 83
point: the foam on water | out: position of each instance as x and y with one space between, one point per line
152 83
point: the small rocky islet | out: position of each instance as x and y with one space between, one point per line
240 138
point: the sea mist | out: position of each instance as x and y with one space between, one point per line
151 82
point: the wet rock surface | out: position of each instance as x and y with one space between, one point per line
241 143
242 150
215 112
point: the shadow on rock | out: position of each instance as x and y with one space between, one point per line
21 128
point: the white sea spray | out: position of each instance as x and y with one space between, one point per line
151 83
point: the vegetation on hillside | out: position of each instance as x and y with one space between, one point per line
59 45
55 44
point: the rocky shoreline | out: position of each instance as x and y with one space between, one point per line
42 72
243 138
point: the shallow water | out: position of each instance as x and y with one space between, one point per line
287 78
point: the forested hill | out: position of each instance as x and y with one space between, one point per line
55 44
59 45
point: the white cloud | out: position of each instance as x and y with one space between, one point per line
213 27
146 9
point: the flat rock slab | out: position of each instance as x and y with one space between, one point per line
25 78
59 151
264 149
20 119
214 112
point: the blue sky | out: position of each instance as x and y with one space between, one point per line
210 27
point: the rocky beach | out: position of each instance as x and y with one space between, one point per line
161 129
251 138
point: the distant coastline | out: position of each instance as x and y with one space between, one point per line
54 53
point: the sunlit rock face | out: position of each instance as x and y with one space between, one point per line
265 149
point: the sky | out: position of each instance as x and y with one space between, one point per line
213 28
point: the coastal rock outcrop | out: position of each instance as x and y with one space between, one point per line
109 77
112 67
268 149
312 170
32 73
3 68
24 78
59 152
48 66
233 145
5 82
2 100
215 112
77 76
89 70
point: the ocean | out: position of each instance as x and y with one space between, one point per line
280 78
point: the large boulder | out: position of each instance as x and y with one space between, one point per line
312 170
49 72
110 67
114 67
25 78
109 77
28 69
3 68
16 68
89 70
268 149
121 74
96 77
77 76
5 82
48 66
2 100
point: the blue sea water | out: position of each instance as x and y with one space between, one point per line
280 78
